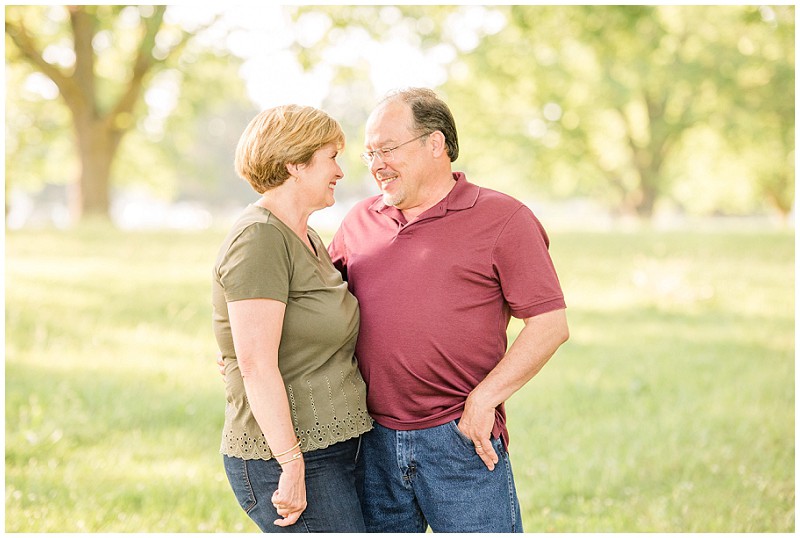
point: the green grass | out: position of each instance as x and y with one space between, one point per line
671 408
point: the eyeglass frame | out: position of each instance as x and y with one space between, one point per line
368 157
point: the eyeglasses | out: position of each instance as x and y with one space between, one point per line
385 153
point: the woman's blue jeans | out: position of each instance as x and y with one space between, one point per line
433 476
333 504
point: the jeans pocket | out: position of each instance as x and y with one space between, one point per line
358 449
467 442
236 469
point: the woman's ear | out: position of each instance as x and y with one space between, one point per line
293 169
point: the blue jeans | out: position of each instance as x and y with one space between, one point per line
333 504
433 476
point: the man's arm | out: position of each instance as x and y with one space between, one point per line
338 252
536 343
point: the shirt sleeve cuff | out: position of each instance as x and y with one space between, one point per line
539 308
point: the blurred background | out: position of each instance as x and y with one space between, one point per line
655 143
601 112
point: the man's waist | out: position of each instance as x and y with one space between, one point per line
405 424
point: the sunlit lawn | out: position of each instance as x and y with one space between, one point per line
670 409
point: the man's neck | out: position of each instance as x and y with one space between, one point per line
436 195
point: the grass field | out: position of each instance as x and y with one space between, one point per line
671 408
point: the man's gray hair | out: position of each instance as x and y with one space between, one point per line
430 114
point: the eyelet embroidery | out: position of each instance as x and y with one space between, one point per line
317 435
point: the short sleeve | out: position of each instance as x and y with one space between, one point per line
522 263
256 265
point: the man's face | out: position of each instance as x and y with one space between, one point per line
401 178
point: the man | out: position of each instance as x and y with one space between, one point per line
438 266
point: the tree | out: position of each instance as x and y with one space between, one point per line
637 106
763 124
604 100
101 60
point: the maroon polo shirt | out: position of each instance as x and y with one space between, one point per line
436 296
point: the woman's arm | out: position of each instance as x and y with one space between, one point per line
256 326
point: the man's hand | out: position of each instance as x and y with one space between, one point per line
221 366
531 350
477 423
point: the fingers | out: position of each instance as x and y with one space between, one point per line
482 441
221 366
289 516
290 519
486 453
476 424
288 510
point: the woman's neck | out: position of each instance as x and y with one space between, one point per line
288 209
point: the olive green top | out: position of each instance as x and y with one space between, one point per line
263 258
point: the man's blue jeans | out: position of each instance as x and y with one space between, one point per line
433 476
330 490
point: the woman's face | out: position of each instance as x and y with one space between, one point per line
319 176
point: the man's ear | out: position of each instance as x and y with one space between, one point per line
439 143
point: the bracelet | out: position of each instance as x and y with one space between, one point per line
287 451
295 457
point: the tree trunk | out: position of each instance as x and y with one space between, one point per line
647 204
90 197
97 129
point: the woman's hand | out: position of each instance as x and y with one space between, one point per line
290 497
256 326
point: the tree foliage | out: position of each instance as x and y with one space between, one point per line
606 100
686 106
100 61
689 108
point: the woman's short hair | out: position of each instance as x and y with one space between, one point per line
430 114
288 134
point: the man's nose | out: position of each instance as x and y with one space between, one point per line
377 163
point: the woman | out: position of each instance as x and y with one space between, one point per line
286 327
